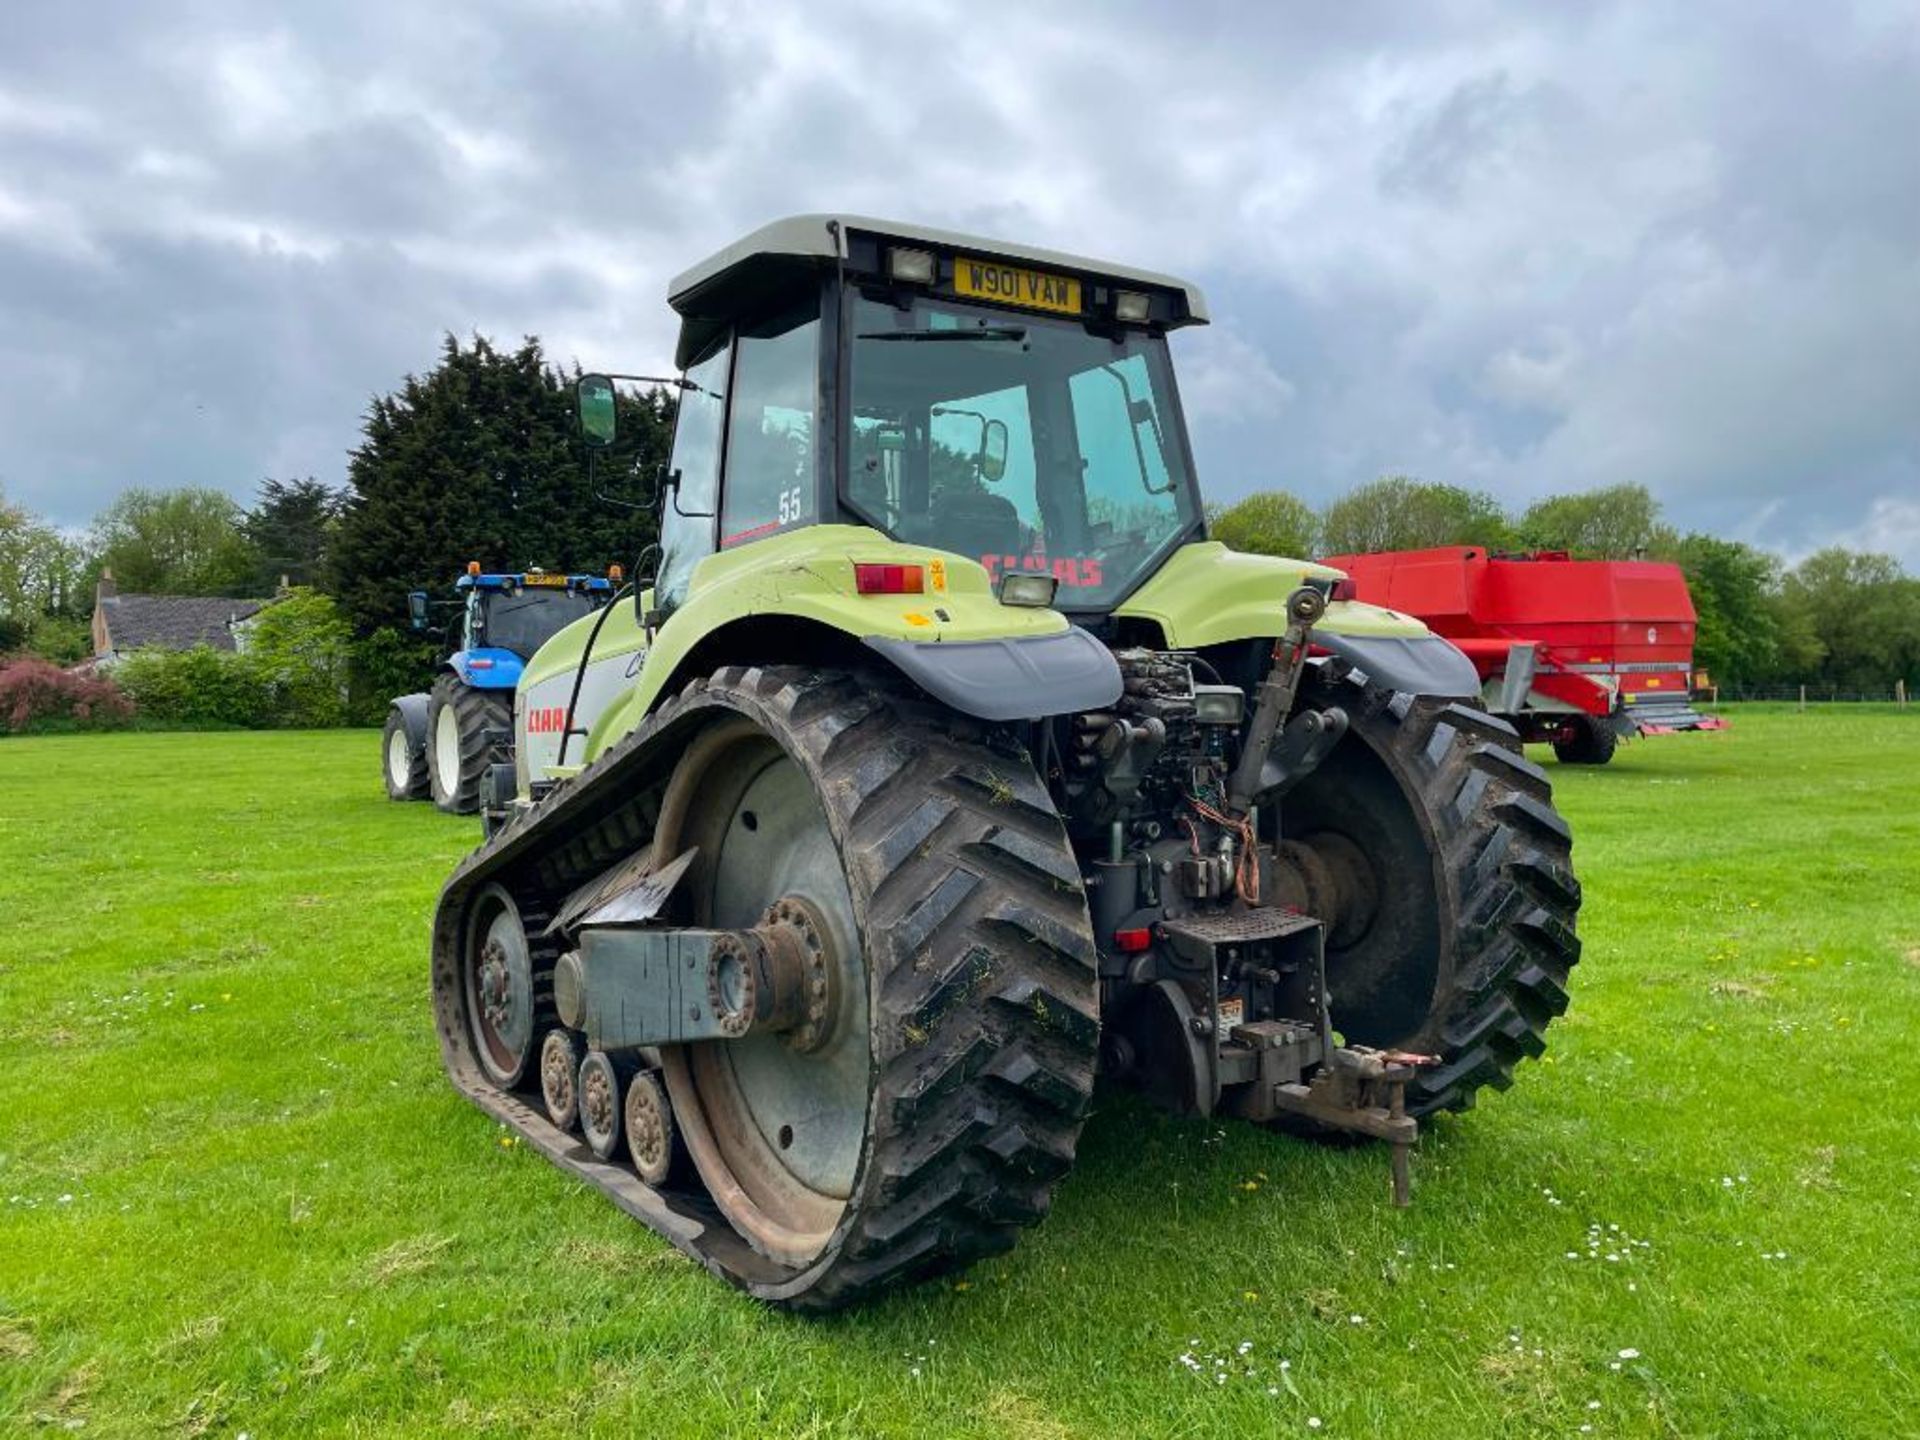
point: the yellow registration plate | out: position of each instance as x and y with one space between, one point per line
558 582
1010 285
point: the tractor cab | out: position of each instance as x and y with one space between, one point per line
505 618
1010 405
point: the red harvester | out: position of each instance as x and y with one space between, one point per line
1573 652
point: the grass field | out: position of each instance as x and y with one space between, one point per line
236 1194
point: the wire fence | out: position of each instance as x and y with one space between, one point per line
1894 694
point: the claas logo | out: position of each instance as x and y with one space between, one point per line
546 720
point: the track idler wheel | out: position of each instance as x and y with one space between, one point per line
602 1110
499 981
560 1058
649 1126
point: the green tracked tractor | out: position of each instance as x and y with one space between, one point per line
942 764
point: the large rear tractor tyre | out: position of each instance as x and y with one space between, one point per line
458 752
403 762
925 1109
1592 742
1452 924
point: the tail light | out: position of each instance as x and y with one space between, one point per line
1344 590
890 579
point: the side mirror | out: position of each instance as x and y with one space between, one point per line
599 413
417 609
993 450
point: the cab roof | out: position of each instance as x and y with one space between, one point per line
712 289
543 580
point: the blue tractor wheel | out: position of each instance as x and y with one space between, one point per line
462 726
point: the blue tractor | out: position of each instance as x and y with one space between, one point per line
440 743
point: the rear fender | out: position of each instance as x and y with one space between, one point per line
412 710
797 593
1209 595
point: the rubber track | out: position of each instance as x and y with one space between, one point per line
477 711
1504 862
980 949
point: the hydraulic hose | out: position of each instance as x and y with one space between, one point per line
580 673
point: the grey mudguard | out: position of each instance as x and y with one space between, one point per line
1011 679
1420 664
413 715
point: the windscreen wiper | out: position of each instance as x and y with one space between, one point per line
985 332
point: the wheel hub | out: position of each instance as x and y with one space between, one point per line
499 989
496 990
806 940
776 977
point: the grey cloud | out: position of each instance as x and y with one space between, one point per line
1522 250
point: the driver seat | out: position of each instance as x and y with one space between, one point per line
974 523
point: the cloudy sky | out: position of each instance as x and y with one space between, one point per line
1519 248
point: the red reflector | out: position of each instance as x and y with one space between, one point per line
1344 590
480 664
889 579
1132 940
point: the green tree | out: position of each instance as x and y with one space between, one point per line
289 527
1738 639
41 585
1865 612
1397 512
480 459
1273 522
300 647
175 542
1616 522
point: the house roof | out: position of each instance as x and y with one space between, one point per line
172 622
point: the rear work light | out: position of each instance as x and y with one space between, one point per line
1021 587
889 579
1131 307
910 267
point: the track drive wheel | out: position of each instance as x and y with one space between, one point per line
931 1097
403 762
1592 742
458 719
1429 843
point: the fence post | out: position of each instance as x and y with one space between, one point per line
1900 689
1803 697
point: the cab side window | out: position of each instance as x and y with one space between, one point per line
770 451
686 527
